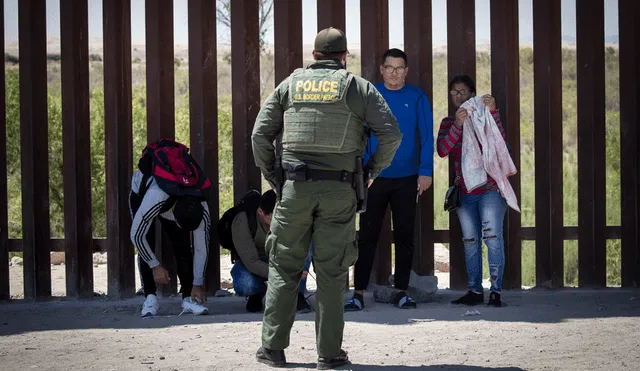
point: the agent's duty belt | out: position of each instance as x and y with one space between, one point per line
311 175
299 171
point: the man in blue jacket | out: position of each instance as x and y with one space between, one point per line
408 176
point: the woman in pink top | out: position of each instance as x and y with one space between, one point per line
481 211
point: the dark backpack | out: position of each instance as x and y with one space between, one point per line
249 203
173 168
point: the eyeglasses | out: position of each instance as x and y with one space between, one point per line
455 92
391 69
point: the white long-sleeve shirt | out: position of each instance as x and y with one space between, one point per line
154 201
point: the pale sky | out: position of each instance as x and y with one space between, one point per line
309 23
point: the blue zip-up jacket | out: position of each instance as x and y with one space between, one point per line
412 108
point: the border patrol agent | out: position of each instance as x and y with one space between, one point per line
321 111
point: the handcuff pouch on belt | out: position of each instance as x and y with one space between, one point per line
297 171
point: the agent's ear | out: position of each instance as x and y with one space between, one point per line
261 212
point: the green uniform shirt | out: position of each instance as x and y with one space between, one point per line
363 99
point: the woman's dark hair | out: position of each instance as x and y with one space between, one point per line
268 201
395 53
465 80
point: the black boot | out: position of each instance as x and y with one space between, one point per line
254 303
333 362
303 305
494 299
273 358
470 298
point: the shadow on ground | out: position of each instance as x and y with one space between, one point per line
533 306
365 367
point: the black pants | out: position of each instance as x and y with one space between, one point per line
401 194
181 245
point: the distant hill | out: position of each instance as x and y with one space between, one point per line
138 49
566 39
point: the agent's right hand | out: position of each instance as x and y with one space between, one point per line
160 275
461 115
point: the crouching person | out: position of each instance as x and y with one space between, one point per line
243 230
179 216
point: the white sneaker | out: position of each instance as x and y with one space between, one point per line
189 306
150 306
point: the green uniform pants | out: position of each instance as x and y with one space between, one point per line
323 212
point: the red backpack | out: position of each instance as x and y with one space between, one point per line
173 168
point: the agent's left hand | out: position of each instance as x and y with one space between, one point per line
424 182
489 101
198 294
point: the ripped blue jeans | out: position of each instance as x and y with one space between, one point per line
481 219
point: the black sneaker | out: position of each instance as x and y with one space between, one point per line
470 298
273 358
303 305
494 299
254 303
333 362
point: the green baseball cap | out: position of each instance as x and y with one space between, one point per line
330 40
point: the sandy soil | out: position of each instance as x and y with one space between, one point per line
538 330
58 282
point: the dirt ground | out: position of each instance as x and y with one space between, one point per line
538 330
58 282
